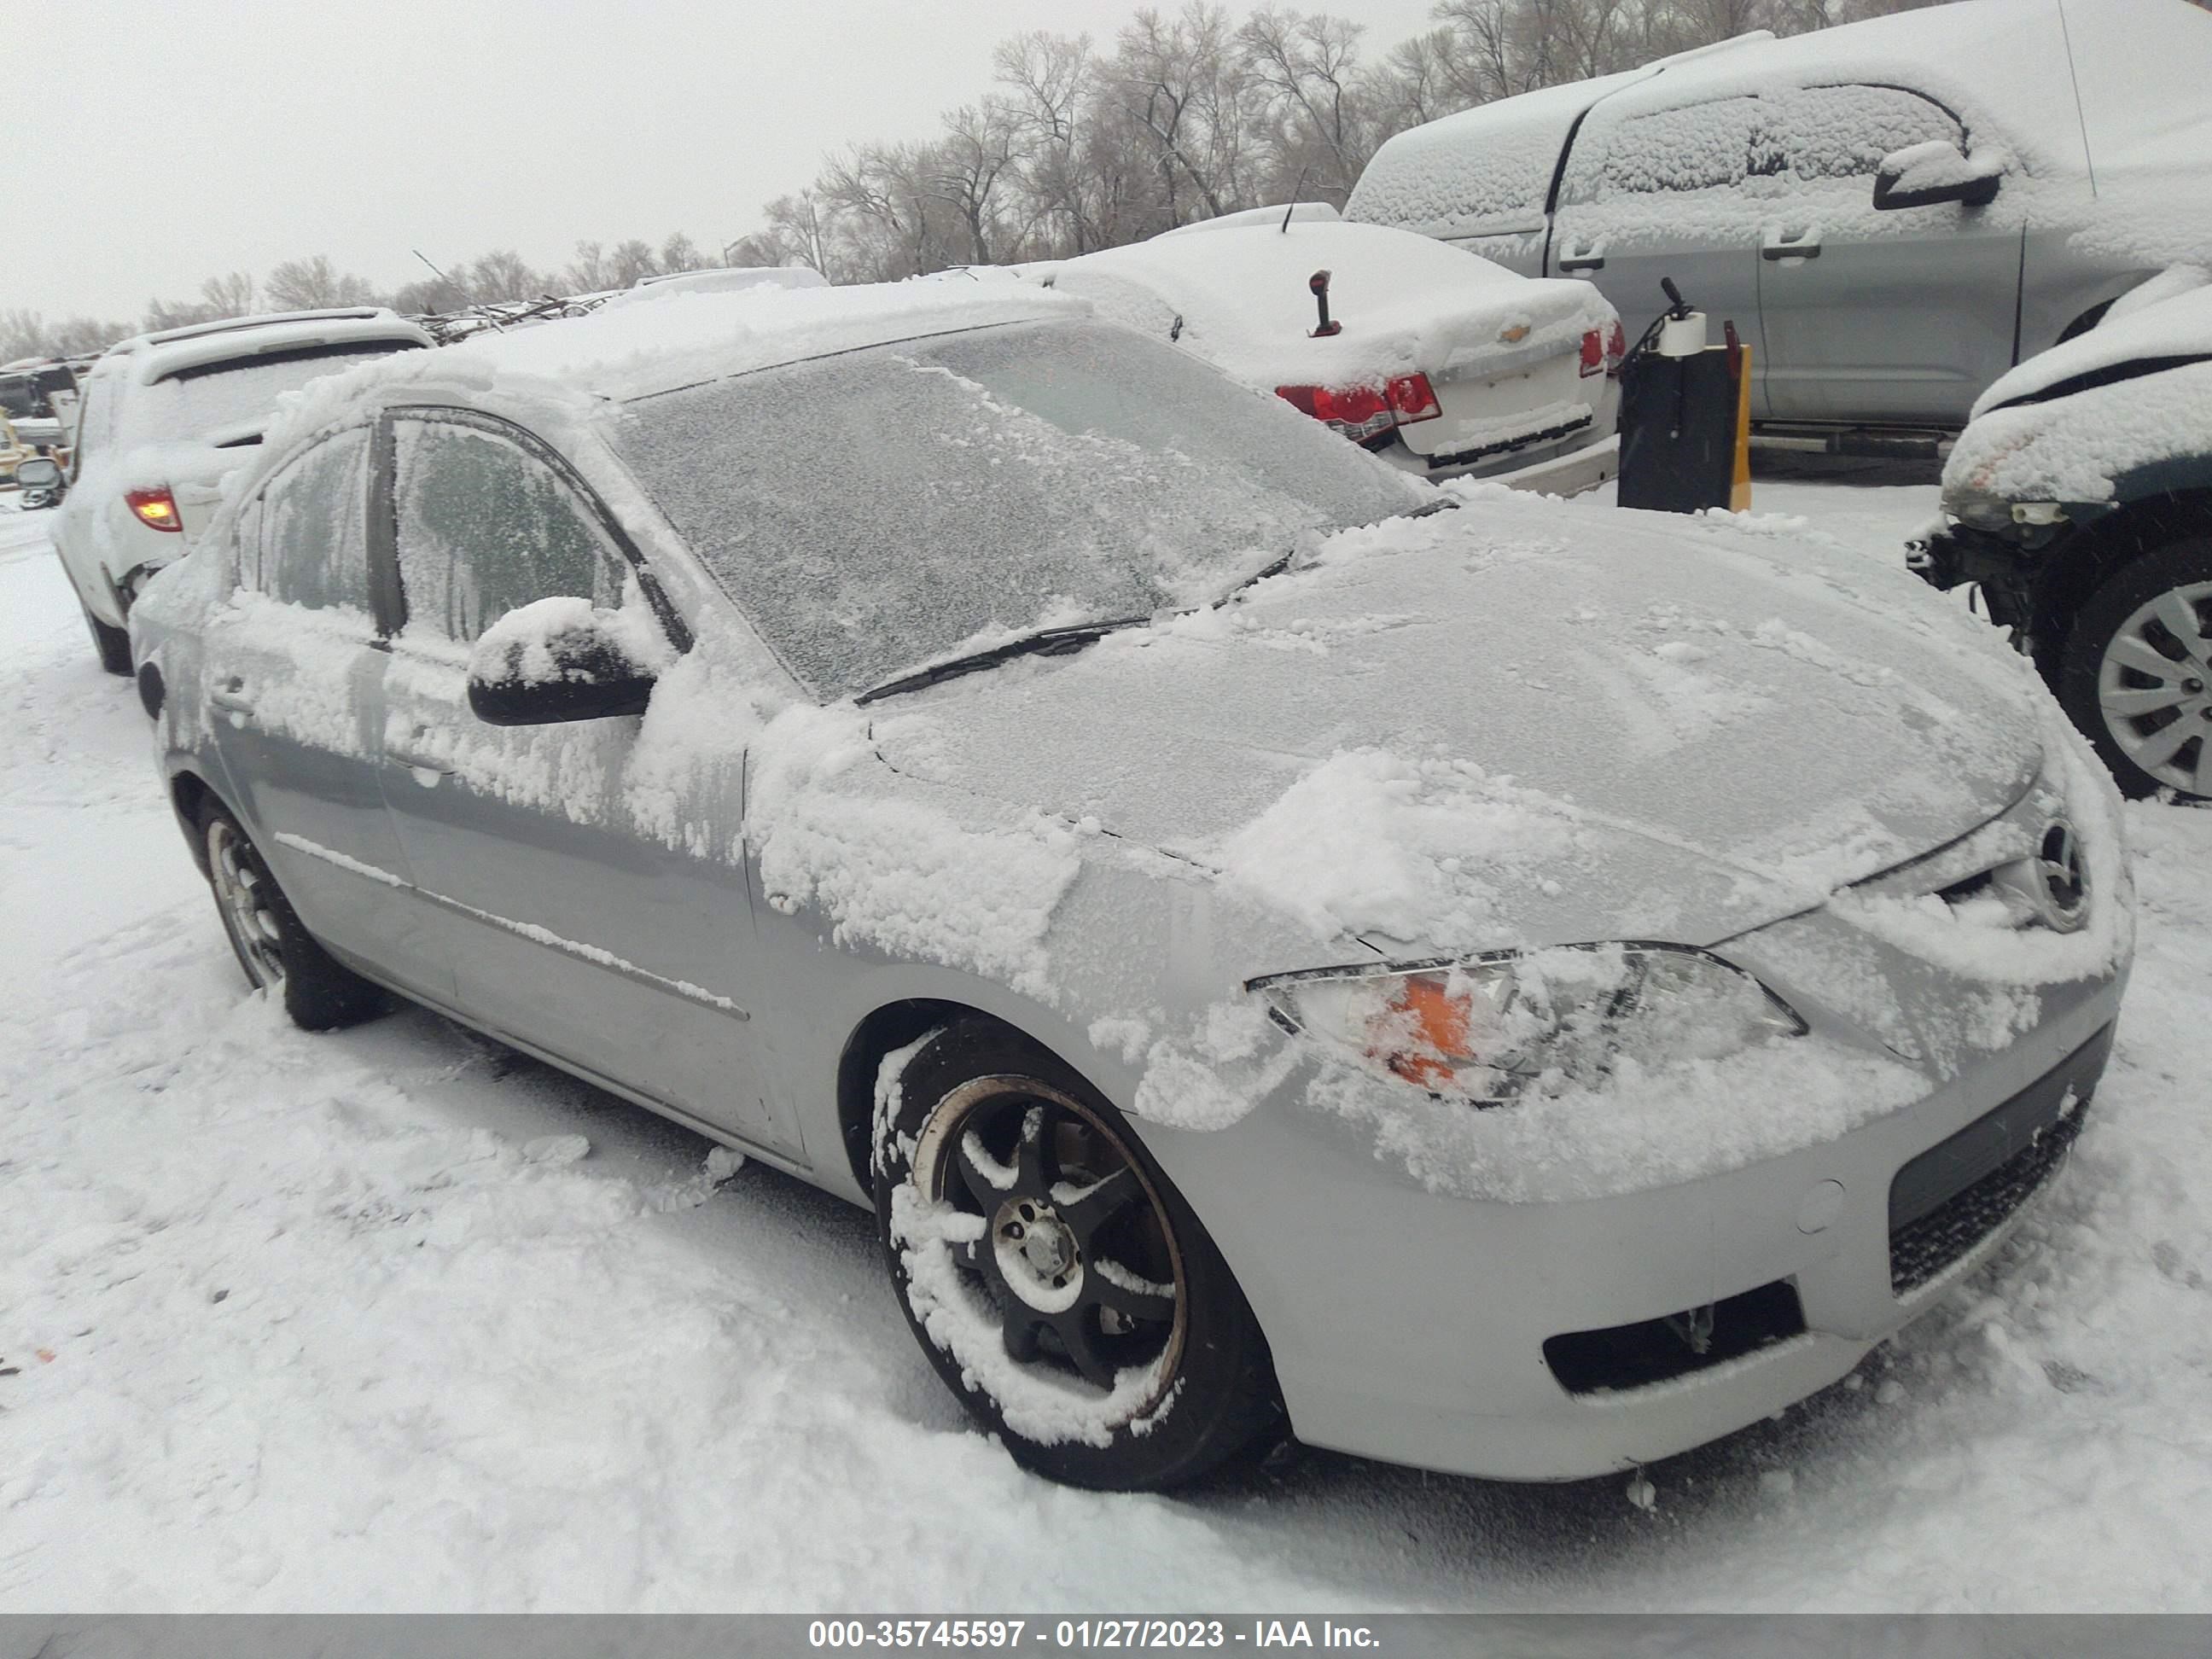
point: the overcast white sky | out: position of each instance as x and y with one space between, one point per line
154 144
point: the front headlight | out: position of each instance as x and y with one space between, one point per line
1978 511
1489 1029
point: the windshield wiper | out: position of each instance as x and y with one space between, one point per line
1045 642
1059 641
1277 566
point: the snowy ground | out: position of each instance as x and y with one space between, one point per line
347 1321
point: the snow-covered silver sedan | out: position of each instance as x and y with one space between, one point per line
1470 980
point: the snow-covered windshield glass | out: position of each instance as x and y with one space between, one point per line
212 400
873 511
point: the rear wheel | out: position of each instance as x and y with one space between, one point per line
2136 674
113 644
276 952
1062 1289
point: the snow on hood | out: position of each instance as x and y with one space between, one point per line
1499 727
2178 325
2074 446
1406 303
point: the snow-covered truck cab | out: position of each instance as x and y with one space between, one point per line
165 417
1892 213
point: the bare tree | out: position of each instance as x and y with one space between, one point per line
680 253
1308 65
314 284
502 274
229 295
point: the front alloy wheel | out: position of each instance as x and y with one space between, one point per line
1059 1285
2137 672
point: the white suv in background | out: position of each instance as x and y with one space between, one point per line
165 416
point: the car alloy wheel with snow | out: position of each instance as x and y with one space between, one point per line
2137 673
1061 1287
276 951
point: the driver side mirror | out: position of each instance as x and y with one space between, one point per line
40 472
1923 175
559 659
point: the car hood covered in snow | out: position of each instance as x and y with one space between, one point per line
1493 728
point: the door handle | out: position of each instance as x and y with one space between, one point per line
231 697
1581 262
414 760
1806 248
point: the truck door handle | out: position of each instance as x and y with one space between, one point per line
231 697
1809 247
1581 262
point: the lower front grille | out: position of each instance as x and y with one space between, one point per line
1954 1194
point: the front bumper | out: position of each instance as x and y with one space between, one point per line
1424 1330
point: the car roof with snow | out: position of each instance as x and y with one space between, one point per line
635 351
145 359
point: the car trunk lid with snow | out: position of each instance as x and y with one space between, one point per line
1472 731
1502 358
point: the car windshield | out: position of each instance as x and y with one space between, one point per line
876 510
214 398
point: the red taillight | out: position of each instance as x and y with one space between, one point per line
1616 348
1594 352
155 509
1412 398
1361 412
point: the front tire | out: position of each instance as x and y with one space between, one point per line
2136 674
113 644
276 952
1062 1288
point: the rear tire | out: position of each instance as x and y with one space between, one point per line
276 951
1064 1290
2136 672
113 644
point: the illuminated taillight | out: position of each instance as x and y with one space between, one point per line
1594 352
1616 348
1361 412
155 509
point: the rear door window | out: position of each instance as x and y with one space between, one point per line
485 527
314 548
1668 152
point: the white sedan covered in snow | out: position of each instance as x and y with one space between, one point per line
1435 359
165 416
1508 996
